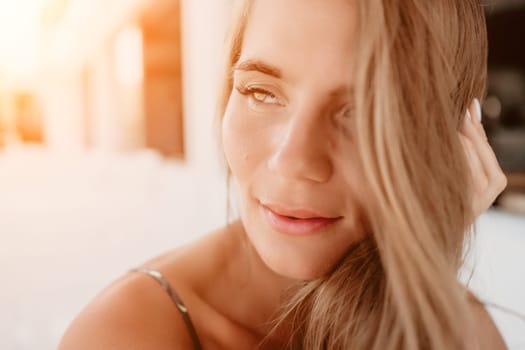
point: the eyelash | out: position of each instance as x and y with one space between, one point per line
251 91
345 112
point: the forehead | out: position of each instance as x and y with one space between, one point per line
303 38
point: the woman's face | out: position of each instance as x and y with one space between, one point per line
287 134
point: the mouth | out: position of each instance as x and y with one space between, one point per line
297 222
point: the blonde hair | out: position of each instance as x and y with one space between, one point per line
419 63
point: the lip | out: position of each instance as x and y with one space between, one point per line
295 213
298 222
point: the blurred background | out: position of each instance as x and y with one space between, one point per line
108 154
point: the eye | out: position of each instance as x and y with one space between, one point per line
264 96
342 119
346 112
259 95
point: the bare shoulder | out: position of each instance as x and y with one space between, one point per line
132 313
135 312
489 335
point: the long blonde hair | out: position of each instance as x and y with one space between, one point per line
419 63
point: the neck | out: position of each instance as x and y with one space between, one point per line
259 292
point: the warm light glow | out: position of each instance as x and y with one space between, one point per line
19 39
128 56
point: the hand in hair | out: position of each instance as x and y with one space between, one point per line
489 179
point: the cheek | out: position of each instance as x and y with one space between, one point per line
242 144
351 180
356 183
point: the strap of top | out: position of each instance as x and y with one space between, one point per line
178 302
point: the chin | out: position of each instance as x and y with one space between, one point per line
299 258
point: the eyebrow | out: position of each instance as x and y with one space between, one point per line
259 66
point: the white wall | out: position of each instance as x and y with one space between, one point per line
204 25
61 88
61 99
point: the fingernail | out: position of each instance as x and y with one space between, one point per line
467 115
477 106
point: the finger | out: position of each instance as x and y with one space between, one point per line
482 189
469 128
499 180
475 113
488 178
479 181
487 157
479 177
466 119
483 150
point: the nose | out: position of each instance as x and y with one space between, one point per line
303 153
